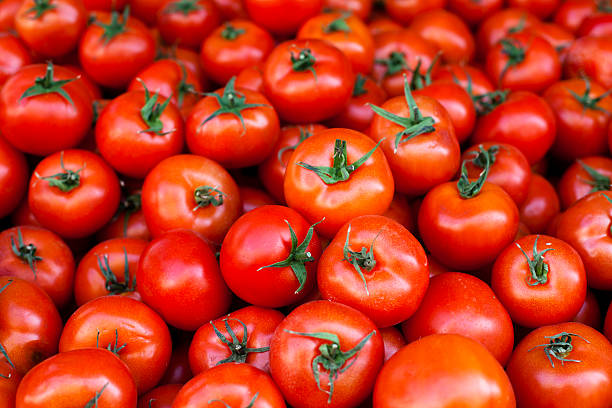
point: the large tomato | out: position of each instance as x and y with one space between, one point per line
591 56
500 24
404 11
159 397
13 177
583 177
14 55
541 205
187 22
282 17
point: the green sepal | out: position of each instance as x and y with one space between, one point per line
468 189
115 27
396 62
183 6
599 182
112 286
47 85
585 99
305 61
93 403
151 112
538 269
27 253
238 348
363 258
67 180
40 7
304 134
559 347
207 195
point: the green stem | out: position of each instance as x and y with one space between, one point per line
238 348
116 26
27 253
363 258
585 99
338 25
304 134
359 87
538 269
40 7
183 6
207 195
47 85
600 182
111 284
67 180
559 347
230 32
305 61
419 80
396 62
93 403
151 112
113 348
468 189
515 52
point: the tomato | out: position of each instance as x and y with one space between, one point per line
307 80
231 9
178 371
571 13
232 385
376 266
393 341
401 211
105 5
127 327
251 78
38 95
608 324
73 193
178 272
159 397
463 373
282 18
598 25
241 336
9 382
234 127
589 313
470 78
51 28
358 8
325 354
187 22
201 194
335 195
590 56
8 11
13 177
30 325
106 381
188 58
473 12
583 177
253 198
128 222
146 10
540 8
111 38
559 37
381 23
41 257
569 354
13 56
232 47
501 23
404 11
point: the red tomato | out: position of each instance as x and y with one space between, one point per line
326 354
146 11
105 5
591 56
463 373
13 56
282 17
8 385
583 177
359 8
608 324
501 23
541 205
381 23
253 198
159 397
8 11
13 177
589 313
251 78
473 12
393 341
231 9
598 25
401 211
128 222
470 78
571 13
187 22
557 36
540 8
404 11
178 371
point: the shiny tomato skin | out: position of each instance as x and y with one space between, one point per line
590 56
63 378
9 384
540 8
253 198
393 340
282 18
8 11
177 272
104 5
460 73
14 176
395 285
404 11
559 37
146 10
598 25
14 55
571 13
576 182
251 78
474 12
126 226
187 28
589 313
159 397
463 373
541 205
178 371
497 26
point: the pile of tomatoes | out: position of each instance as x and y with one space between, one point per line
305 203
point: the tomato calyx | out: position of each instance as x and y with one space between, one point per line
115 27
2 349
227 406
486 102
599 181
207 195
610 201
559 347
113 348
520 26
183 87
46 85
481 156
586 101
515 52
304 134
419 80
358 88
238 349
341 170
230 32
130 205
538 269
27 253
40 7
604 6
111 284
93 402
331 357
469 189
183 6
305 61
66 180
339 24
414 125
395 63
151 112
232 102
363 258
298 256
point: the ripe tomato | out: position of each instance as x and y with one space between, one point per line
381 23
128 222
470 78
146 10
178 272
376 266
193 192
325 354
589 313
178 371
589 175
559 37
358 8
105 5
38 95
251 78
337 194
540 8
307 80
231 9
473 12
82 377
8 11
541 205
572 354
501 23
9 381
393 341
571 13
187 22
463 373
598 25
253 198
73 193
282 17
404 11
591 56
13 177
13 56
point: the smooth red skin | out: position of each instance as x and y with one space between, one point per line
463 373
404 11
253 198
46 123
251 78
282 18
457 103
480 82
252 243
207 350
574 181
168 201
381 23
357 44
222 59
13 56
298 96
8 10
589 313
368 191
558 36
490 219
136 228
23 216
510 171
159 397
54 274
426 160
393 341
496 26
359 8
590 56
146 11
56 32
357 114
14 176
135 46
540 8
231 9
83 210
191 29
525 121
584 384
8 386
147 338
30 325
234 383
224 139
105 5
297 352
598 25
558 300
458 303
447 32
473 12
580 131
272 170
413 46
178 272
586 227
89 283
401 211
571 13
178 371
190 60
396 285
92 87
165 76
541 205
607 330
